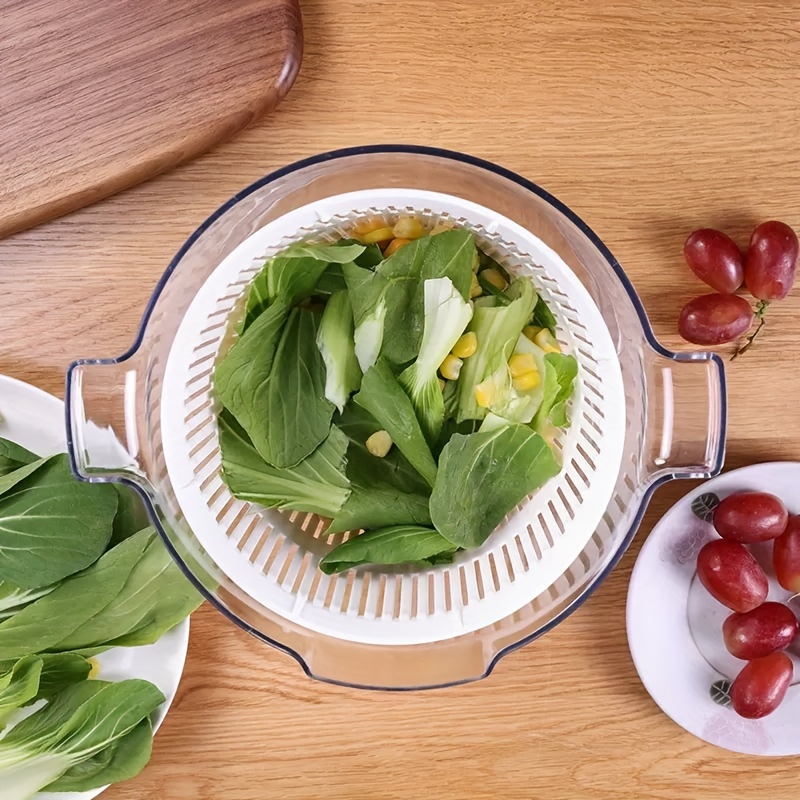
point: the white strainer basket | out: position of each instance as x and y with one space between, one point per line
637 419
274 557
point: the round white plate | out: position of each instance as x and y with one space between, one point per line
35 420
674 625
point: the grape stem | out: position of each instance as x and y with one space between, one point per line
761 310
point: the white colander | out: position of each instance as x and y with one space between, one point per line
640 416
273 556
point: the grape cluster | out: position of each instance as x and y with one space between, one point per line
758 631
767 271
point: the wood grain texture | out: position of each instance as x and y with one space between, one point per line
97 96
649 119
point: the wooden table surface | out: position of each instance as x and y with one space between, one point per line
649 119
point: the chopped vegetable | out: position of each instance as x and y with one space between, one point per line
396 544
419 347
337 346
383 397
483 476
446 316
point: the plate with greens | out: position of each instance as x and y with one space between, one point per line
93 616
401 416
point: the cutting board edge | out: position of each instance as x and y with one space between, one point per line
151 166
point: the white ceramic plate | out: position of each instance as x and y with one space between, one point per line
35 419
675 626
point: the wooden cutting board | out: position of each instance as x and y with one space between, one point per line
97 95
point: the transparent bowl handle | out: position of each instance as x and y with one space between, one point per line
102 407
687 414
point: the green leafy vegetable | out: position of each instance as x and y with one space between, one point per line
11 479
337 346
42 624
543 316
559 379
156 597
35 677
483 476
123 759
241 378
52 525
382 395
296 416
291 276
317 484
365 469
397 544
13 599
376 506
497 330
367 294
446 316
13 456
79 723
19 686
131 515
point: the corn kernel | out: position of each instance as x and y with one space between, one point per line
368 226
547 341
442 383
475 289
526 381
441 227
451 367
484 393
379 444
94 668
409 228
395 245
379 235
466 345
476 262
495 278
520 363
530 331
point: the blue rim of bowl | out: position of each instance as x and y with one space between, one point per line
525 184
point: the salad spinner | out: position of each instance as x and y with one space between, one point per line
640 416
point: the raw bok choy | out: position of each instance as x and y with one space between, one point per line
427 411
79 574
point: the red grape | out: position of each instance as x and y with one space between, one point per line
750 517
771 261
715 319
786 556
770 627
716 259
732 575
759 688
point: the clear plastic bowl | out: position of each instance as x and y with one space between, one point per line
675 407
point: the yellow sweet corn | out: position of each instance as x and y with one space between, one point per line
395 245
450 368
379 444
466 345
495 278
526 381
368 226
520 363
484 393
475 289
547 341
441 227
379 235
530 332
409 228
476 262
